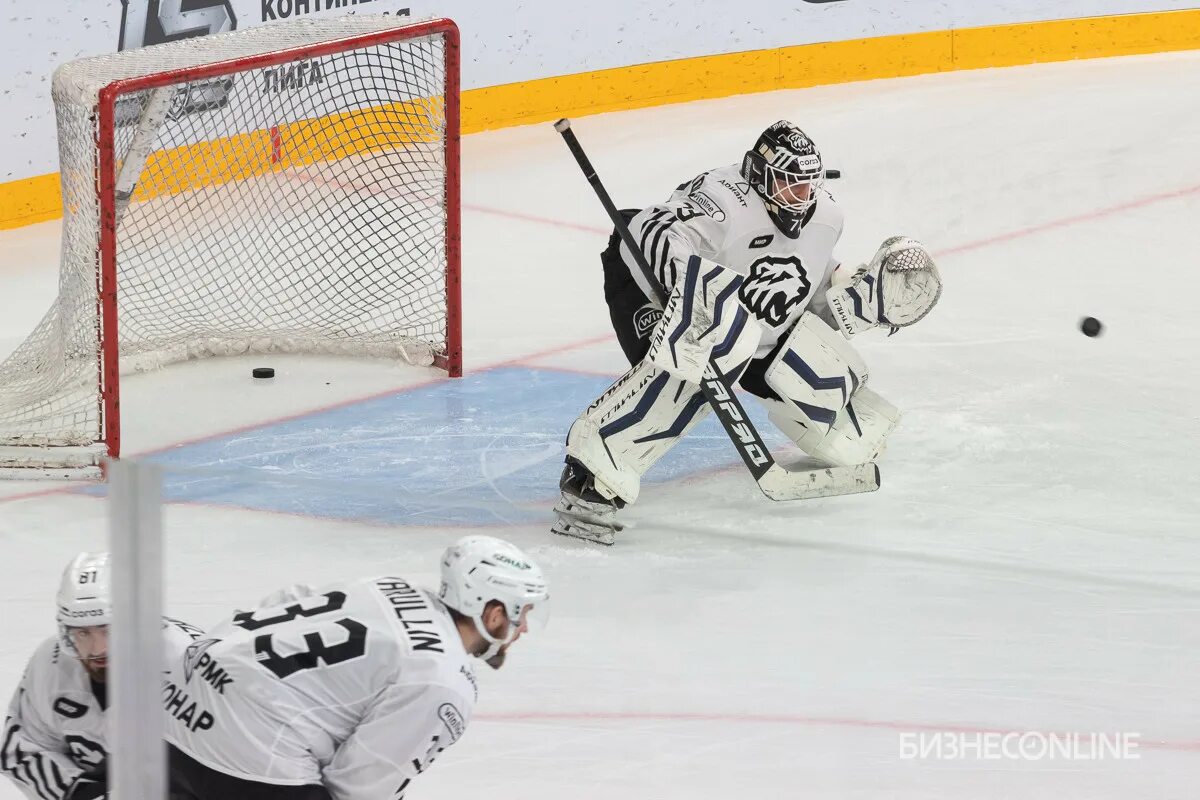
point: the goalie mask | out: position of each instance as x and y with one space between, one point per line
85 605
479 569
786 170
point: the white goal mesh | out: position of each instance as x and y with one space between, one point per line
286 188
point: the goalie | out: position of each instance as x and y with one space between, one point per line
745 256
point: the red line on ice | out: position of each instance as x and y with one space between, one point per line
1066 221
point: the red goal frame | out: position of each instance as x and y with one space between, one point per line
106 276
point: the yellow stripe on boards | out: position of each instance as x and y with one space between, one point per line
29 200
1064 40
36 199
297 144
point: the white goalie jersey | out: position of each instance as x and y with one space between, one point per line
56 726
357 687
717 216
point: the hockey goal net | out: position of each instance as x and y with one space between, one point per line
285 188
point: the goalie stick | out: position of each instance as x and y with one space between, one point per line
776 481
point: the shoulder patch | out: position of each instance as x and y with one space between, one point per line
705 203
193 655
65 707
453 720
735 191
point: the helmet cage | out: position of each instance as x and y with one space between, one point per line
799 176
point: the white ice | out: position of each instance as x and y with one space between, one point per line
1031 563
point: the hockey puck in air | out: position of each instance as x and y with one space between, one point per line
1091 326
263 372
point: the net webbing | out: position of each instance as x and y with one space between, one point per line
294 207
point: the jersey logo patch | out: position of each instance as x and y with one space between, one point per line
774 288
69 708
761 241
707 205
191 656
644 320
686 211
452 719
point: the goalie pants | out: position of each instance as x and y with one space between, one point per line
191 780
635 316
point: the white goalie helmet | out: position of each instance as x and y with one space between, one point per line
84 594
479 569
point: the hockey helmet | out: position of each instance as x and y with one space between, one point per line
84 595
479 569
785 169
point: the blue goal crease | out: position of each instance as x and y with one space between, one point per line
485 449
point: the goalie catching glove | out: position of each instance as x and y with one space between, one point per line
898 288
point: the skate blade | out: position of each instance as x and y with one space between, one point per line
605 537
581 515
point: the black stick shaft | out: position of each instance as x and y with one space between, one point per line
563 126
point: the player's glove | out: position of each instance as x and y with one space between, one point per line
898 288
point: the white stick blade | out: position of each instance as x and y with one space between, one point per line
780 484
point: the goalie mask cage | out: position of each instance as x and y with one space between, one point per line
292 187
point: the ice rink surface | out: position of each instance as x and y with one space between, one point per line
1031 563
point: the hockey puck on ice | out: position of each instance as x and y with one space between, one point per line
833 174
263 372
1090 326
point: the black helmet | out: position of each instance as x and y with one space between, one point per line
785 169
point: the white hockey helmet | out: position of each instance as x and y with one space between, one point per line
84 594
479 569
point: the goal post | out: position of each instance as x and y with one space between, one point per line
289 188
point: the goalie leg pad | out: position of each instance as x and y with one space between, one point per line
824 406
860 432
631 426
641 416
815 373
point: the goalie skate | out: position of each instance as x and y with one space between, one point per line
583 519
582 511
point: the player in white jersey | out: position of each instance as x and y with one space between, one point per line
348 692
54 740
745 256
